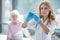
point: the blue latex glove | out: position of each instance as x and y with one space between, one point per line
37 19
29 16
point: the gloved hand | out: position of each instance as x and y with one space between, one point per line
29 16
37 19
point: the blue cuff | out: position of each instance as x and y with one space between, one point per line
37 19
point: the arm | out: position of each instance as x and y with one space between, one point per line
49 28
46 30
24 25
8 33
28 18
39 21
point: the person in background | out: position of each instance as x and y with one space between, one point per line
15 30
45 22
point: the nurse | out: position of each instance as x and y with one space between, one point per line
46 26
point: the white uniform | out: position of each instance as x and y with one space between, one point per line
41 35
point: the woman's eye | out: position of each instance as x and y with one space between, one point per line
45 8
41 8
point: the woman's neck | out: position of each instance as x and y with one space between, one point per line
45 18
15 22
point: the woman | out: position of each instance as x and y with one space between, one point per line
14 28
15 31
46 26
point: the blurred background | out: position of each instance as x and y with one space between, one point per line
24 6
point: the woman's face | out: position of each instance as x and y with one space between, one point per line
14 17
44 10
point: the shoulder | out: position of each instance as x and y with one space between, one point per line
9 24
52 22
20 23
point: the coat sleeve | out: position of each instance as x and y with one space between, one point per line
52 27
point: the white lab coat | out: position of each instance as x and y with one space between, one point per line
40 34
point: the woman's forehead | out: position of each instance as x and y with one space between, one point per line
14 14
44 6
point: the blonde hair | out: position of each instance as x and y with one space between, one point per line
15 12
50 15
